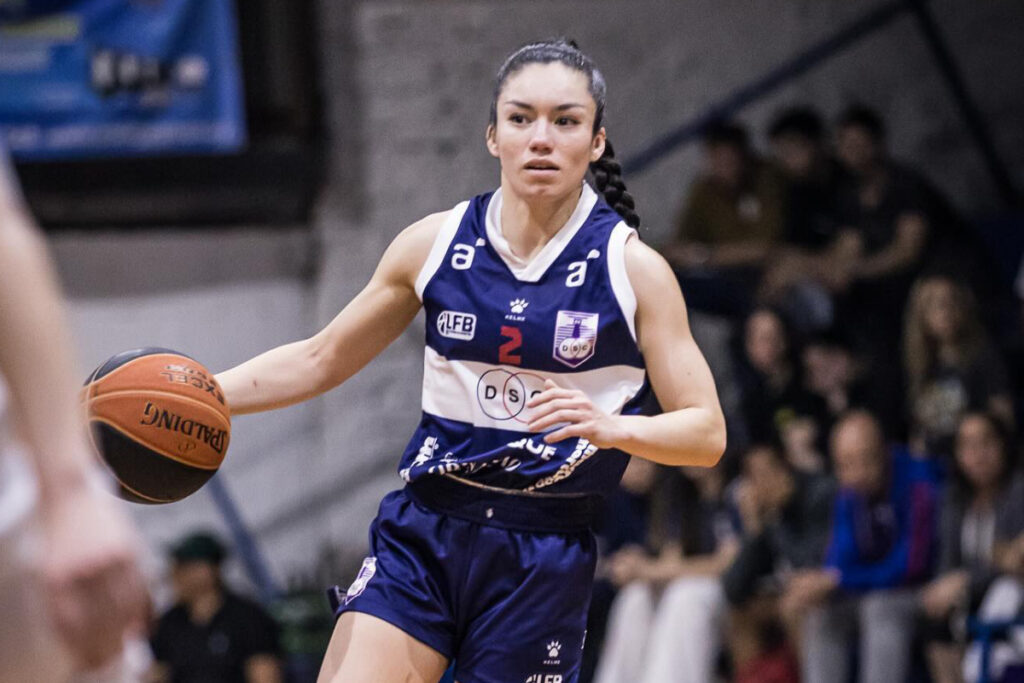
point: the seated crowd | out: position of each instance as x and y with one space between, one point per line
869 511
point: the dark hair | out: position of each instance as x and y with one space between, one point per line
801 121
834 337
606 171
727 133
861 116
200 546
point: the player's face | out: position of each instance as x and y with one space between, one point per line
544 131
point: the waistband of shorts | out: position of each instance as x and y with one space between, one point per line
559 513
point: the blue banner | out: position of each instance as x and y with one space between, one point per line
102 78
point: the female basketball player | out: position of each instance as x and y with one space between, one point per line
547 322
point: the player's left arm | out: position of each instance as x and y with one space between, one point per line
691 430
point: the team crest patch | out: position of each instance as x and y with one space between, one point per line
575 337
366 573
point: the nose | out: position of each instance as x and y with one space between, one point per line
540 140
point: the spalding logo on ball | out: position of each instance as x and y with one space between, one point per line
159 421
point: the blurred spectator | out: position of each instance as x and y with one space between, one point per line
813 262
982 492
1004 599
882 543
951 365
771 387
883 204
666 623
884 210
786 522
835 372
798 147
733 219
211 634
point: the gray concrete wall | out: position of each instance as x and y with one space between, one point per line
407 89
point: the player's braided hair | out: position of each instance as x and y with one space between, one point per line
606 171
608 179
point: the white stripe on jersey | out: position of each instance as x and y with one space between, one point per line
486 395
533 270
440 247
621 286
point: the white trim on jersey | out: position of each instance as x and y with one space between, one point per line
621 286
533 270
440 247
486 395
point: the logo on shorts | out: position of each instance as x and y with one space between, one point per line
545 678
366 573
456 325
553 648
575 337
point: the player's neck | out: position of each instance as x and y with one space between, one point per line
529 224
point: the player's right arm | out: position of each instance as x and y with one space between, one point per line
301 370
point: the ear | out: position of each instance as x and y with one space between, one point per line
597 144
492 140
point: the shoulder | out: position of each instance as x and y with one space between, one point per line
408 251
421 234
647 268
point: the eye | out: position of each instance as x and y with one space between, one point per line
566 121
517 118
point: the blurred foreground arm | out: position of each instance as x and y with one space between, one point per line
89 561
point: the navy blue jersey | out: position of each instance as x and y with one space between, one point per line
497 327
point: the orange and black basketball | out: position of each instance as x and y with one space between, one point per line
159 421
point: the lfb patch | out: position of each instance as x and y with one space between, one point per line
575 337
366 573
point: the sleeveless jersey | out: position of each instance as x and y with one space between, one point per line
496 328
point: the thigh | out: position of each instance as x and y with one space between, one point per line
366 649
528 596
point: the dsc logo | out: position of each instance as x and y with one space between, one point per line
545 678
455 325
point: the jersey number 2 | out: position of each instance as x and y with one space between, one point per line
506 352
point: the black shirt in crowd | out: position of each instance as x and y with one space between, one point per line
215 652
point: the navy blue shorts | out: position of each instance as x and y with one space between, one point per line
473 577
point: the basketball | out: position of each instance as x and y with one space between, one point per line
159 421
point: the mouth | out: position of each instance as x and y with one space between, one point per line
541 166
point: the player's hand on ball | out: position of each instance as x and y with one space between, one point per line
576 412
90 573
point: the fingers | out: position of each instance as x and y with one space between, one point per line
579 429
551 392
93 608
558 415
